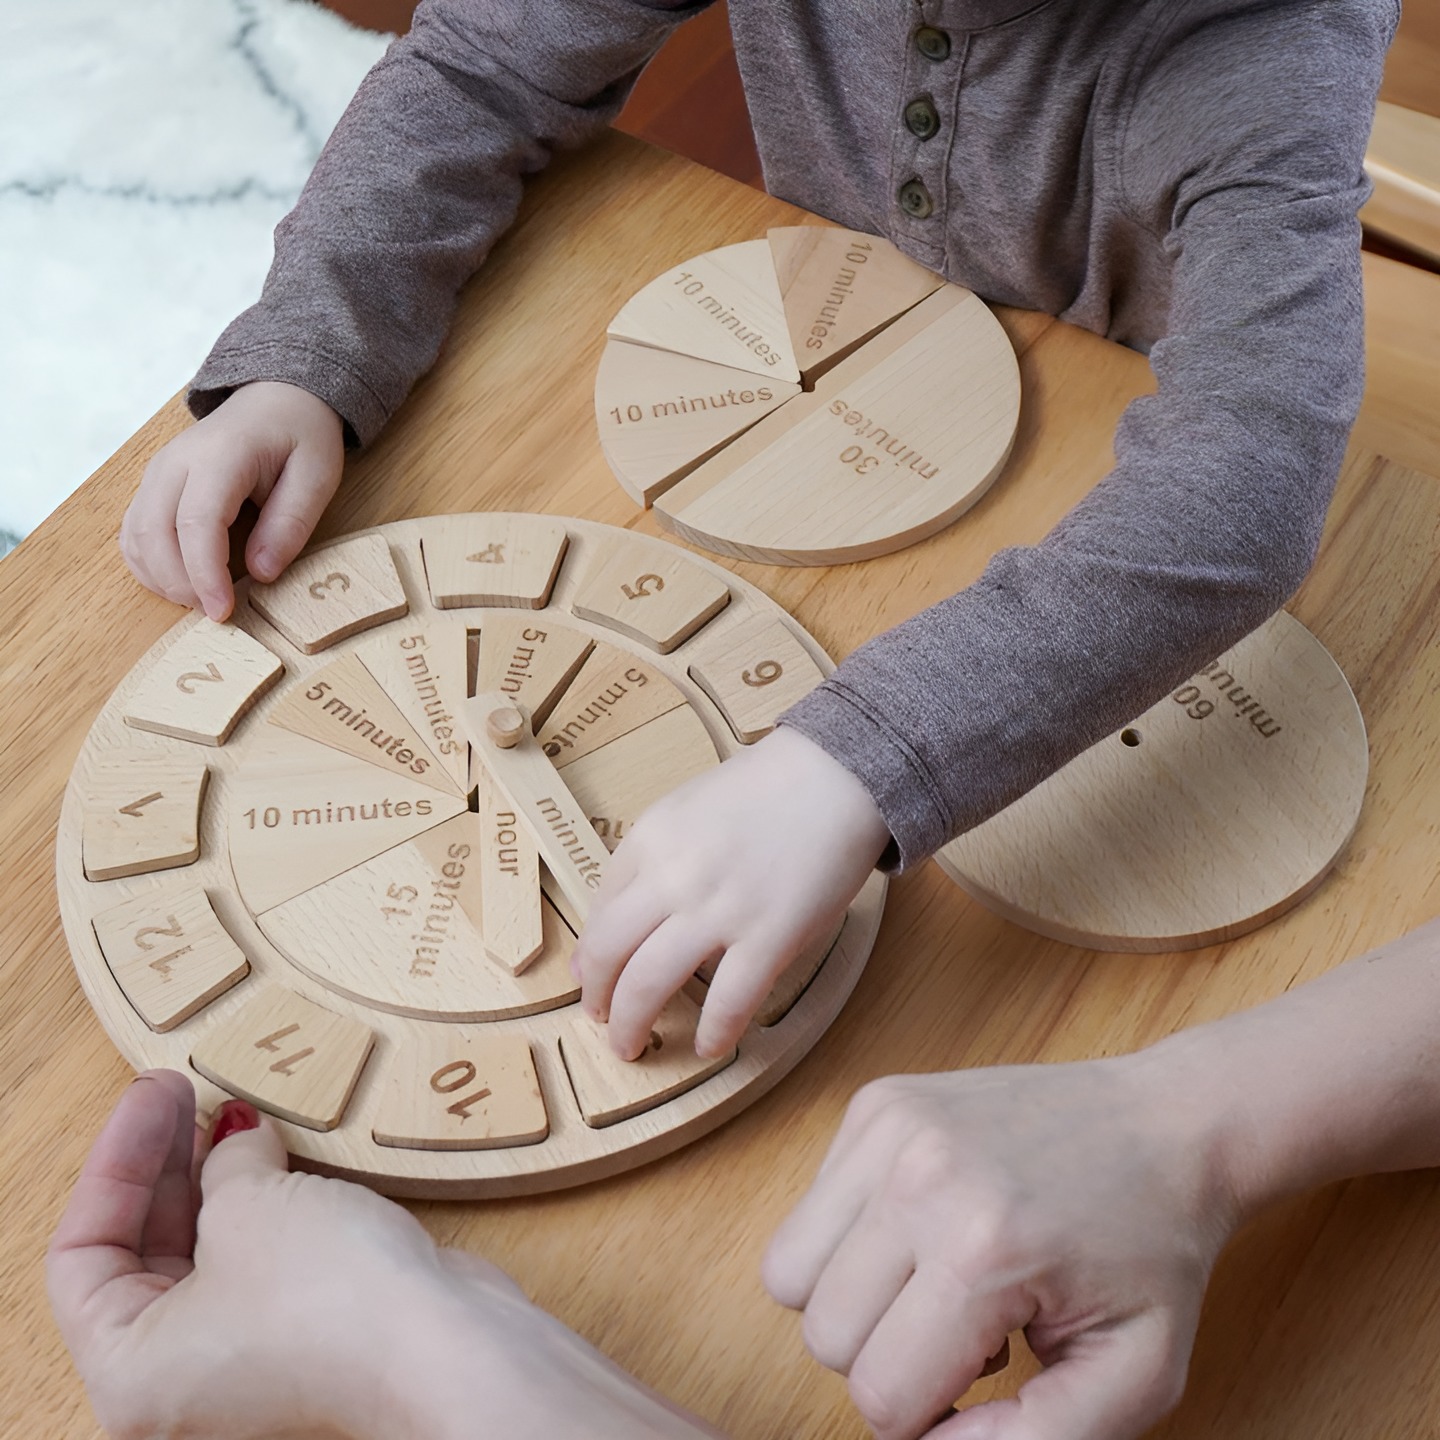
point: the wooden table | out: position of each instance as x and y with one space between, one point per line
1324 1317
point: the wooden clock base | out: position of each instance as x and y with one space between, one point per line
284 869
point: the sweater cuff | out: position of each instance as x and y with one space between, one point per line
849 730
344 390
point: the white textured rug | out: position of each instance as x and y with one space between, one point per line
147 149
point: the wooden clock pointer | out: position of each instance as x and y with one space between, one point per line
500 732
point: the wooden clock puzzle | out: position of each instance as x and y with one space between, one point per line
812 398
332 856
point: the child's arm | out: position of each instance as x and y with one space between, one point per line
1243 160
306 1307
421 176
1086 1203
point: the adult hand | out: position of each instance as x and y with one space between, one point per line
1082 1203
748 863
291 1305
272 443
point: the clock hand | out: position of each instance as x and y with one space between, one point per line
500 732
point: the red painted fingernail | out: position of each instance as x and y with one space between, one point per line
232 1117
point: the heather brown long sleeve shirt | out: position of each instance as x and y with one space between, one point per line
1181 176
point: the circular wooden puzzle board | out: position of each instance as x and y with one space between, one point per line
284 868
1221 807
812 398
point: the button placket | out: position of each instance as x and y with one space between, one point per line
933 59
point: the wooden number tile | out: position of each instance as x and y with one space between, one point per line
723 306
660 599
338 591
793 980
287 1055
298 819
617 783
342 706
401 933
568 845
609 1089
661 414
496 560
141 814
422 669
839 287
169 953
509 881
754 672
616 692
892 445
203 684
451 1089
529 663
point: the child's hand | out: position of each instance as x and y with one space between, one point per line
301 1306
275 444
752 862
1083 1203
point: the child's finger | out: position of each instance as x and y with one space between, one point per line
293 509
203 518
610 937
666 959
147 535
742 981
1109 1385
101 1234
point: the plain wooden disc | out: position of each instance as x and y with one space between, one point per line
317 961
909 408
1219 808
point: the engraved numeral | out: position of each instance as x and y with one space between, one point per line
866 464
767 672
641 590
490 555
443 1086
165 961
282 1067
183 683
175 931
136 806
268 1043
320 587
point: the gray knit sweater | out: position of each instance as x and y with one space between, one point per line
1178 175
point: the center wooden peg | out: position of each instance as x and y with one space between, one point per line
504 727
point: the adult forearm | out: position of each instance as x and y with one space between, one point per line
1339 1077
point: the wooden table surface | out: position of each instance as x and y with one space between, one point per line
1324 1317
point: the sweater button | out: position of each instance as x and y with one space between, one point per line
933 44
922 119
915 200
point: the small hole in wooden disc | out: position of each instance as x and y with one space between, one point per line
1130 738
